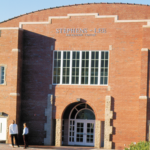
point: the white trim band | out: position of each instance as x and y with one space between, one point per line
80 14
14 94
10 28
16 50
144 49
87 14
142 97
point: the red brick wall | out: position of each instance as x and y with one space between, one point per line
10 104
124 11
125 65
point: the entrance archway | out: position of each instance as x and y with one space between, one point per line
79 126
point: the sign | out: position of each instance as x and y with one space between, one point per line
80 31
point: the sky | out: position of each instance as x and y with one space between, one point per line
13 8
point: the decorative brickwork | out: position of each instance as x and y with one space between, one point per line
127 39
48 125
97 133
58 132
108 128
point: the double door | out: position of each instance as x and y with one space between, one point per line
84 132
3 128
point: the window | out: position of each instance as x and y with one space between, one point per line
57 66
94 67
85 68
2 74
75 67
104 67
80 67
66 68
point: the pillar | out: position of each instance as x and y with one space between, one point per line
58 134
108 128
97 133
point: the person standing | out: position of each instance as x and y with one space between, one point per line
25 135
13 132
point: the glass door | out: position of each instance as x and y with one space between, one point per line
89 133
84 133
80 133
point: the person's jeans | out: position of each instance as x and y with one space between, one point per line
25 139
16 139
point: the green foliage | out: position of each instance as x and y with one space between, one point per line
139 146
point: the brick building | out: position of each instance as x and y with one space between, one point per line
77 75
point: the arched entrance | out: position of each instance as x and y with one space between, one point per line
81 125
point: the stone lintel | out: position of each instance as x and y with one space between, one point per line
142 97
144 49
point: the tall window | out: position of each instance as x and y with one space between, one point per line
94 67
85 68
81 67
66 67
57 67
75 67
104 68
2 73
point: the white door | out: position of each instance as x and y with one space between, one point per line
84 133
3 128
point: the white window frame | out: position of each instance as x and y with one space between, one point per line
5 66
80 67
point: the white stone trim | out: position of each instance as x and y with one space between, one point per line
108 129
108 88
84 14
144 49
80 14
110 47
14 94
98 132
142 97
10 28
16 50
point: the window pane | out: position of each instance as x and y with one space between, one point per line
105 80
75 67
66 67
104 68
64 55
94 67
73 63
106 55
59 55
85 68
56 69
73 80
102 55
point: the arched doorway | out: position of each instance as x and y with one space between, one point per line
81 125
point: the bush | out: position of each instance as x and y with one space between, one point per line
139 146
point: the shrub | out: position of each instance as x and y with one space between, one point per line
139 146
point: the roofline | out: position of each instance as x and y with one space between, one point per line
72 5
116 20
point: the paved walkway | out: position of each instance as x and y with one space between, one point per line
42 147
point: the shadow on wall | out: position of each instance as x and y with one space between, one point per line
36 81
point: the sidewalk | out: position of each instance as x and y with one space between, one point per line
43 147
